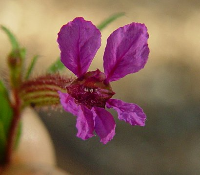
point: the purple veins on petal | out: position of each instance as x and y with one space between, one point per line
104 124
79 41
85 123
129 112
126 51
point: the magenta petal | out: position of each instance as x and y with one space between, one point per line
104 124
129 112
126 51
79 41
68 103
85 123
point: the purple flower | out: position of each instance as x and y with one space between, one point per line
126 52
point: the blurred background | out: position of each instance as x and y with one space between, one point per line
168 89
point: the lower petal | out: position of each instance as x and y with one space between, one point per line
129 112
68 103
85 123
104 124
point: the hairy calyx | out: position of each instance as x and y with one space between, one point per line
43 90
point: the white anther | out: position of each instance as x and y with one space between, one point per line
86 89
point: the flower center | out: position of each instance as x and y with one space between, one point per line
91 89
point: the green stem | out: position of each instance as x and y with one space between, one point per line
13 128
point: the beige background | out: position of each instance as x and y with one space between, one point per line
168 89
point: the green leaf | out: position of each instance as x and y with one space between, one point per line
56 66
6 111
31 66
12 38
6 114
110 19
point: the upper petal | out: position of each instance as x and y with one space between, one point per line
85 123
68 103
126 51
104 124
129 112
79 41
